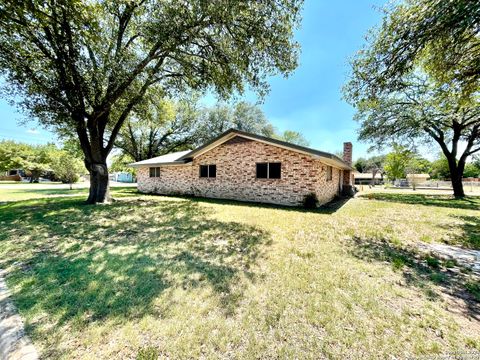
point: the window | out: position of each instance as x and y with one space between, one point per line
262 170
208 171
154 172
274 170
269 170
329 173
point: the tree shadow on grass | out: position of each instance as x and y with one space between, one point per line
423 271
469 236
468 203
329 208
79 263
118 191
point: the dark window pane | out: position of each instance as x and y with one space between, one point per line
212 171
152 172
157 172
274 170
203 170
262 170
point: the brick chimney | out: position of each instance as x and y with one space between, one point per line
347 153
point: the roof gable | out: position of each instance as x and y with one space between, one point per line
183 157
328 158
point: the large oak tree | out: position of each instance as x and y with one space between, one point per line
81 66
418 77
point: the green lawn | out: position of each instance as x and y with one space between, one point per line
188 278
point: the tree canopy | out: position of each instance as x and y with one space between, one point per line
397 161
164 125
80 67
40 160
405 90
439 34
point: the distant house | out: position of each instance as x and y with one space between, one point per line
124 177
12 175
418 178
244 166
366 178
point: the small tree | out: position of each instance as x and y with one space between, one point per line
12 154
471 171
396 162
66 167
360 165
374 165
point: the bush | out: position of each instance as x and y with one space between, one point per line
69 179
310 201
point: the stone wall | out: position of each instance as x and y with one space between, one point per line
236 175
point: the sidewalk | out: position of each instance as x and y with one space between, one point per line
14 344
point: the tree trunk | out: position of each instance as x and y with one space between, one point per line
99 187
456 174
374 173
457 186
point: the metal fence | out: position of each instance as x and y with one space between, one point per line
447 184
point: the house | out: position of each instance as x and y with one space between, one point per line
418 178
243 166
366 178
12 175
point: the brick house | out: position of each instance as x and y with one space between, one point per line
243 166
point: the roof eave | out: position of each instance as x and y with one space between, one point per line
172 163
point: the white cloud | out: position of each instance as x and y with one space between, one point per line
32 131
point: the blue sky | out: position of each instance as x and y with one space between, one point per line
310 100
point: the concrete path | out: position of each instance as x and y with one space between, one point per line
465 257
14 344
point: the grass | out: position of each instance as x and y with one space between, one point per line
152 276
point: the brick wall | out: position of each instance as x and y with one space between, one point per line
236 175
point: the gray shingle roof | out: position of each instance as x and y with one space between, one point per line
168 159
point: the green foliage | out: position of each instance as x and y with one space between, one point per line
66 167
418 165
148 353
421 94
474 288
241 116
120 163
433 262
440 168
293 137
38 160
396 162
35 160
83 58
12 154
471 170
361 165
440 34
161 126
375 164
